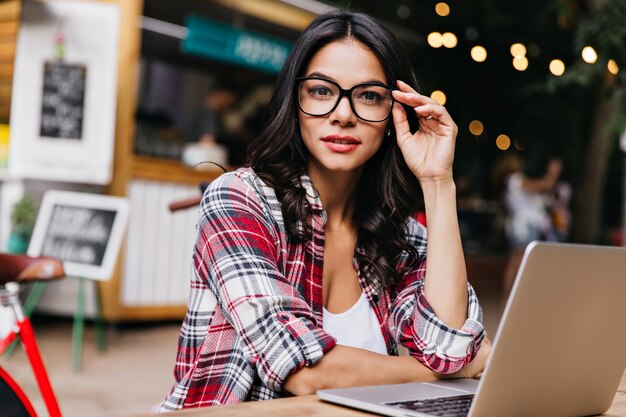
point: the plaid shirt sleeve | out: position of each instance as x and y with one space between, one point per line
238 254
414 324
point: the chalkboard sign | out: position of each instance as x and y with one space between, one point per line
83 230
62 100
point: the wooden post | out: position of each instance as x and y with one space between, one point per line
127 72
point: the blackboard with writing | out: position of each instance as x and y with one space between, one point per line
62 104
78 234
84 230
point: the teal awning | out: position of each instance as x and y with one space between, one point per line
217 40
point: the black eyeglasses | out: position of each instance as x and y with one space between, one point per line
371 102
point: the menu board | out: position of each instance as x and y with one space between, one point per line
81 229
63 99
78 234
63 111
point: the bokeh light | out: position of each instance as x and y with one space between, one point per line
449 40
403 11
520 63
557 67
518 49
442 9
503 142
435 39
478 53
439 97
589 55
476 127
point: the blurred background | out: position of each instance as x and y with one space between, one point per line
124 97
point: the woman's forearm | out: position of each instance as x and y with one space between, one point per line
345 366
445 285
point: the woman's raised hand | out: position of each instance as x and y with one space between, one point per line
429 151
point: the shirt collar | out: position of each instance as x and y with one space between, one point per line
312 195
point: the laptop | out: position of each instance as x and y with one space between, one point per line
560 348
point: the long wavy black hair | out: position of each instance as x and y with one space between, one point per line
387 194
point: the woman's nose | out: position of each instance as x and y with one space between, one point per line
343 113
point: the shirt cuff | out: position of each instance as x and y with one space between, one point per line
452 347
296 343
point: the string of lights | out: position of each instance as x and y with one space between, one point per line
520 62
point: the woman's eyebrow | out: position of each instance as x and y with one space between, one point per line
322 75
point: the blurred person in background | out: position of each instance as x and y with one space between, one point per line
207 139
207 124
309 268
533 212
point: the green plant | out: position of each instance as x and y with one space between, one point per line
23 217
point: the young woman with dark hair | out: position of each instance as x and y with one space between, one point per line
309 267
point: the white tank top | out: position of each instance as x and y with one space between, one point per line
357 327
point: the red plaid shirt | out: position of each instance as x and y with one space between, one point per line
255 307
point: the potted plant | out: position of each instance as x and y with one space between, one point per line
23 217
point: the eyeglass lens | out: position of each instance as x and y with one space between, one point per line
370 102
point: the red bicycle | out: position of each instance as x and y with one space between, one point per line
25 269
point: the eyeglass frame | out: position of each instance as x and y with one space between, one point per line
345 93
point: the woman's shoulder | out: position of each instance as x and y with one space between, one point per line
242 179
243 185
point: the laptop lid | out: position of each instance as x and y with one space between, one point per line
560 349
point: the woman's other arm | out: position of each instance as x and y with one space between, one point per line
429 153
345 366
445 285
436 313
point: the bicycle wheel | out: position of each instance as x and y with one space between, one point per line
14 401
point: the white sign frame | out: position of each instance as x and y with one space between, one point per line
119 205
91 36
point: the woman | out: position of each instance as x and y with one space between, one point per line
309 267
528 203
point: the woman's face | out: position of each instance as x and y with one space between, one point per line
340 141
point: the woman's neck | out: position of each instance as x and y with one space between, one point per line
337 191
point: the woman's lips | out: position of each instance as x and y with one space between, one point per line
341 144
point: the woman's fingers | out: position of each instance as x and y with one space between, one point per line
401 123
411 99
407 95
424 106
435 111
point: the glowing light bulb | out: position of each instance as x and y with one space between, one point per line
518 49
476 127
557 67
435 39
589 55
520 63
439 97
479 53
503 142
442 9
449 40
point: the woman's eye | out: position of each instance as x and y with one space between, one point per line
370 97
320 92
